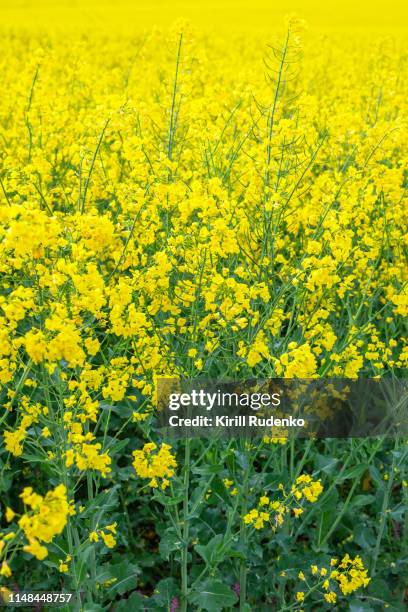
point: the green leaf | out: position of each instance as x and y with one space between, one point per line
208 469
169 542
377 477
219 491
136 602
83 564
107 500
362 500
356 471
364 536
360 606
118 446
328 465
166 590
126 577
213 551
214 596
166 500
242 460
398 513
105 407
330 501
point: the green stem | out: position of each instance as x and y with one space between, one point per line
172 127
383 518
243 544
91 591
184 551
71 549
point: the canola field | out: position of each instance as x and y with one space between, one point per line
186 191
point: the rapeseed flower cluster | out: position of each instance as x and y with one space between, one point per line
107 535
274 512
155 463
44 518
341 578
307 488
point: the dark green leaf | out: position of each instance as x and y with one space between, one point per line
213 596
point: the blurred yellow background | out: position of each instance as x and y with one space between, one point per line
219 15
